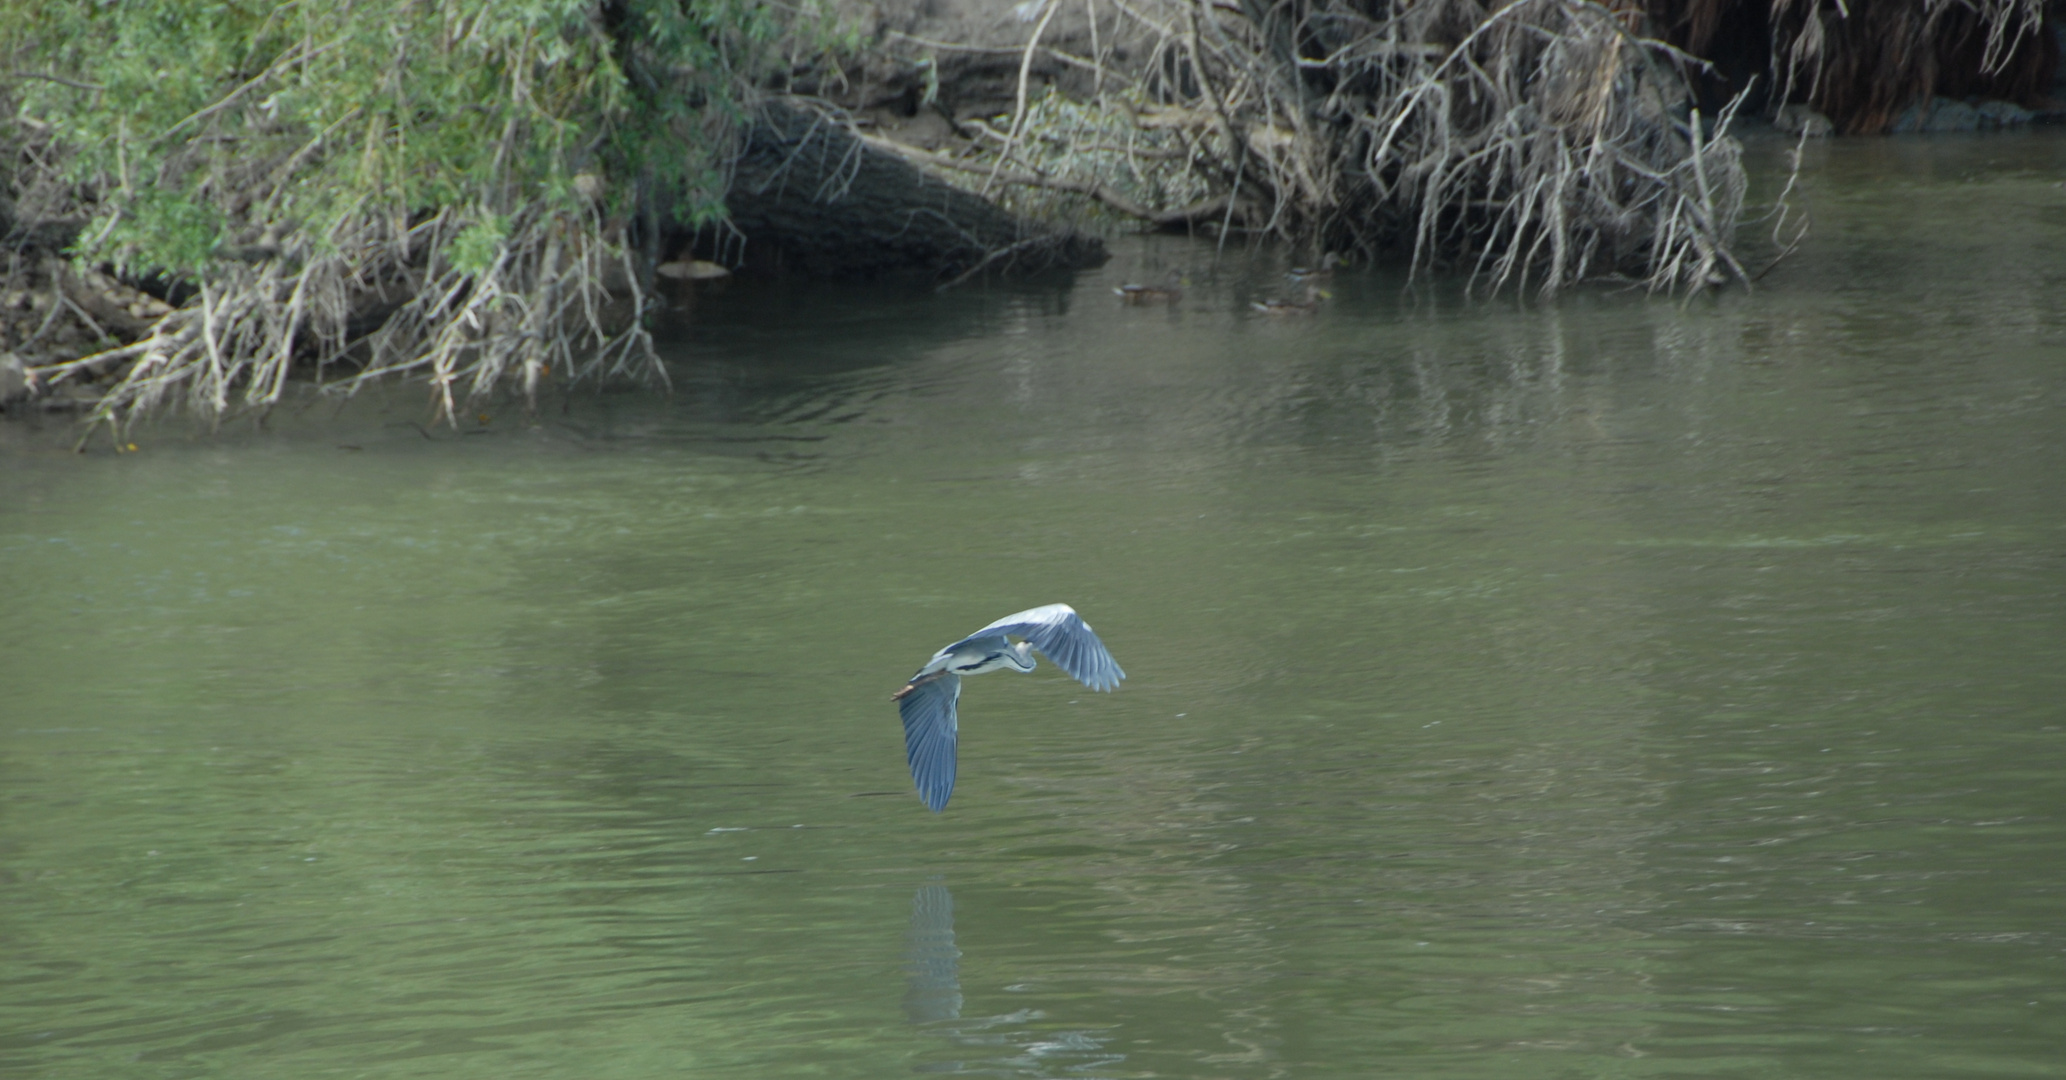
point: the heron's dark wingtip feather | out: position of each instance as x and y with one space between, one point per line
1066 639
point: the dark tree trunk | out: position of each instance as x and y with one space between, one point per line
808 197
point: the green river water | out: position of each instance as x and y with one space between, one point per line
1613 687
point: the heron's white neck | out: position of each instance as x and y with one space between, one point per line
1017 657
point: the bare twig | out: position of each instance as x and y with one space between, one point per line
1018 115
992 258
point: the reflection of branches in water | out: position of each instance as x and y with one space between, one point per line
932 997
1433 381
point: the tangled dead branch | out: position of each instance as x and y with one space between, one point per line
540 306
1531 143
1861 63
1549 140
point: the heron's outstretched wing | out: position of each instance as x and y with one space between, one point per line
929 729
1063 637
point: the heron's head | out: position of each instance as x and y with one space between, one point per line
1021 656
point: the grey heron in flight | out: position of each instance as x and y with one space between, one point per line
927 701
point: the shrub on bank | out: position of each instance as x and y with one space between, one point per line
432 186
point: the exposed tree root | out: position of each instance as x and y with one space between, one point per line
538 310
1531 143
1860 63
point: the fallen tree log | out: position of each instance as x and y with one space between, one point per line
810 196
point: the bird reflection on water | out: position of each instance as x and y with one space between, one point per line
932 1000
933 992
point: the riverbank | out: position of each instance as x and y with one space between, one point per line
1928 208
1593 154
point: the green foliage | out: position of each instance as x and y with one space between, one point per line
478 245
180 232
482 160
212 122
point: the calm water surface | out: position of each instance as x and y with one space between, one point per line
1609 688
